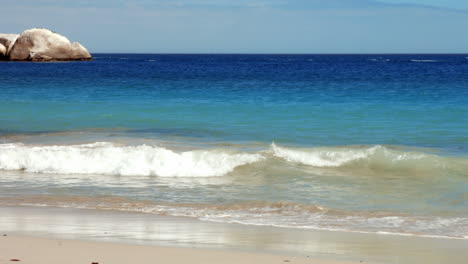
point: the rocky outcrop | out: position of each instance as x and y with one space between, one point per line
3 51
40 44
8 40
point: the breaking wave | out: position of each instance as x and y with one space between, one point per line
145 160
424 60
376 158
111 159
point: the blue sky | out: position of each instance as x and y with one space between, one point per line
249 26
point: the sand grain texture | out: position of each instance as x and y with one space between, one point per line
32 250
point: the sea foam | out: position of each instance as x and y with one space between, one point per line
320 157
278 214
423 60
376 158
111 159
147 160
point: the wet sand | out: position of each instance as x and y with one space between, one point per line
64 235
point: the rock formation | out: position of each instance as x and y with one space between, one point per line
7 40
41 45
3 51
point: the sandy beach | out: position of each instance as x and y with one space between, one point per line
65 235
54 251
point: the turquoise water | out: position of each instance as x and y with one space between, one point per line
367 143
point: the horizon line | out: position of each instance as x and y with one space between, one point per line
234 53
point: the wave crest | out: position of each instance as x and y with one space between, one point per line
147 160
377 158
319 157
110 159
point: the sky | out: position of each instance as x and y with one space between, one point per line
248 26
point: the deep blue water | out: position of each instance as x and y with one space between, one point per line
312 100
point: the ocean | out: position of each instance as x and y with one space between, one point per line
354 143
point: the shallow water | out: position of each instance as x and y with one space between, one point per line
356 143
147 229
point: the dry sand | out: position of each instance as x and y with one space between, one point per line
32 250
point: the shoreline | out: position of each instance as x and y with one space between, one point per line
152 232
192 218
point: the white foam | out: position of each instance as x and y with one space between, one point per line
424 60
321 157
426 226
110 159
374 157
380 60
